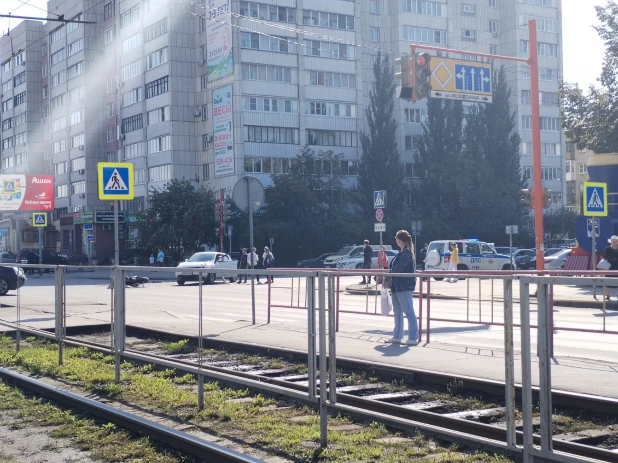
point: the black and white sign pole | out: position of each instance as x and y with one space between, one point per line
594 244
250 211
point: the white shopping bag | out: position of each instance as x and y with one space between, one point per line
603 265
387 303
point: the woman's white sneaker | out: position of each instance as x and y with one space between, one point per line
411 342
392 341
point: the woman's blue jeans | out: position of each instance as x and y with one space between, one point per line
402 304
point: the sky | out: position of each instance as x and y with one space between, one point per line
580 39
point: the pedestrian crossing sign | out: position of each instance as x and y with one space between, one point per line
116 181
39 219
595 199
379 199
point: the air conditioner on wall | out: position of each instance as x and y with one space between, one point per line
198 111
82 171
200 62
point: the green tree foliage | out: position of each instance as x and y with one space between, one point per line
558 224
179 220
380 166
470 176
591 118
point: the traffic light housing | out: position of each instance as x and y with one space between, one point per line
226 212
405 77
526 197
422 75
546 198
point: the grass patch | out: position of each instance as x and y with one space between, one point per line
103 441
180 347
292 432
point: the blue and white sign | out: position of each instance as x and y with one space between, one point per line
115 181
379 199
595 199
583 232
87 226
472 78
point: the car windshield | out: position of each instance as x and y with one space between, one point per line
357 252
344 251
552 251
202 257
435 246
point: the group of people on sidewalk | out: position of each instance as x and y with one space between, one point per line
251 260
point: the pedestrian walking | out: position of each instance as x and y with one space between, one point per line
151 260
367 254
268 261
610 254
402 289
243 263
453 261
254 261
160 258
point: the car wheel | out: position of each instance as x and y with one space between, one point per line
210 279
232 279
438 278
507 267
180 281
4 286
462 268
359 266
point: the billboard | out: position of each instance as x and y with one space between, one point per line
219 60
22 192
223 124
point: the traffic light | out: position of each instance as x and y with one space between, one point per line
422 75
526 197
217 212
226 212
546 198
406 77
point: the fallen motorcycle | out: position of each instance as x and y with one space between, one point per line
135 281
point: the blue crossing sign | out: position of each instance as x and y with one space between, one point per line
379 199
116 181
472 78
39 219
595 199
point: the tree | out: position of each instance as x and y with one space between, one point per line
180 219
380 166
558 224
590 118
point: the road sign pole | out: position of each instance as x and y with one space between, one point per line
594 252
250 211
116 234
536 145
511 244
40 242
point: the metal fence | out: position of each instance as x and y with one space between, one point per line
320 290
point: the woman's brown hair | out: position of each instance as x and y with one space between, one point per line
403 235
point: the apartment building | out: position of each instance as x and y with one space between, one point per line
576 170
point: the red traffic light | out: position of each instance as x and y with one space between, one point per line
421 60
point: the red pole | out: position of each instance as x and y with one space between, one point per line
221 198
428 309
268 317
537 198
420 310
337 305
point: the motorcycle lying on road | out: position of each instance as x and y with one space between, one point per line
134 281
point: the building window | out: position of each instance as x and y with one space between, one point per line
549 98
111 134
158 115
160 173
140 177
374 6
134 150
21 158
157 87
44 70
468 34
331 138
157 29
420 35
322 108
158 144
266 73
61 191
329 49
132 42
551 124
132 69
75 47
251 103
77 117
78 188
267 43
542 24
330 20
45 90
332 79
525 97
111 156
108 11
59 146
374 34
424 7
108 35
74 26
408 142
7 143
58 101
551 149
60 168
494 26
206 171
583 168
7 124
76 94
132 96
20 139
493 3
7 104
59 78
132 123
156 58
415 116
268 12
526 122
20 99
110 109
7 163
19 119
77 140
78 164
59 124
129 16
466 8
8 85
19 79
493 49
280 135
56 34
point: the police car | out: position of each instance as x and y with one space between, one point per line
473 255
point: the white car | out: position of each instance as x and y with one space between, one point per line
556 261
350 252
357 262
473 255
204 260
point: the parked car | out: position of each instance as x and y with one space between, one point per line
548 252
11 278
525 259
505 250
357 262
7 258
316 262
31 256
204 260
556 261
349 252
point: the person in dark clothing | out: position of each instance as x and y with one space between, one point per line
422 255
243 263
610 254
367 254
269 262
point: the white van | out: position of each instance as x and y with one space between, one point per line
350 252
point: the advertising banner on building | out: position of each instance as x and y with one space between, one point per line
223 123
219 61
21 192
